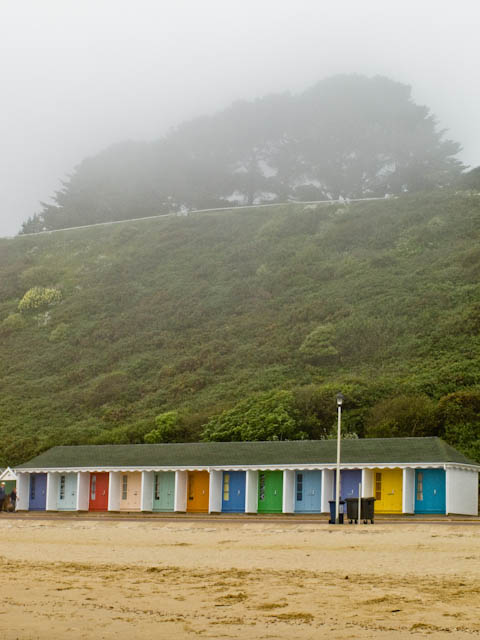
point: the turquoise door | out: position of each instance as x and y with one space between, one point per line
67 492
430 491
164 491
308 491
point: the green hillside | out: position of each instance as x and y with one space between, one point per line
380 299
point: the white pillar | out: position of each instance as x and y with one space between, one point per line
288 498
180 502
251 491
114 488
146 496
327 488
408 497
368 490
83 491
215 492
53 484
23 491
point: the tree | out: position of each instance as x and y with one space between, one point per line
349 136
402 416
265 416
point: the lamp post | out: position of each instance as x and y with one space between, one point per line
337 492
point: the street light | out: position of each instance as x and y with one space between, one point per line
337 492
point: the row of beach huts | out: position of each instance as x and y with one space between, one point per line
404 475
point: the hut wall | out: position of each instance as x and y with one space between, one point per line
146 502
83 490
288 498
251 491
215 492
53 487
114 487
462 491
408 498
328 479
368 490
23 492
180 502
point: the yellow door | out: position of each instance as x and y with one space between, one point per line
388 490
198 484
130 489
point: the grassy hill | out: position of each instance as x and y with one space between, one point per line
196 313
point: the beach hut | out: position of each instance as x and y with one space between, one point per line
198 491
130 491
67 492
164 491
388 490
98 491
430 490
270 491
9 477
233 491
308 491
406 475
38 492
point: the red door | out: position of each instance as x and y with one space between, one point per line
98 492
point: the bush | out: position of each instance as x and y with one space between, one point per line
13 322
401 417
38 298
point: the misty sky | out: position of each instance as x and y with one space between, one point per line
79 75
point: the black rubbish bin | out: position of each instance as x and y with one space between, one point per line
352 509
368 509
333 509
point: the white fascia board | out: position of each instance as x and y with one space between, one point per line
259 467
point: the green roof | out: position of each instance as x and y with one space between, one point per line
369 450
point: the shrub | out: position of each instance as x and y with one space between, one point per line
39 298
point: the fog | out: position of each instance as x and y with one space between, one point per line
79 76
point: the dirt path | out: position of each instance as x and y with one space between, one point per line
235 580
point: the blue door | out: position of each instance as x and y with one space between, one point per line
233 491
430 491
38 492
349 481
308 491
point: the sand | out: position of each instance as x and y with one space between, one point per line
186 579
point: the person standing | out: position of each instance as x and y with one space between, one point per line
2 496
13 498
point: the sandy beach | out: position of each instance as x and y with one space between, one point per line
185 579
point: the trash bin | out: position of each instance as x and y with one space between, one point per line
332 504
367 509
352 509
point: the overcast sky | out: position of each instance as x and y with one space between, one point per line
79 75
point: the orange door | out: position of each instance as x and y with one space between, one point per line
198 484
130 491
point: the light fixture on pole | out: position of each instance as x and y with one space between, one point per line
337 492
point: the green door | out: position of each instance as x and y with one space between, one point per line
164 491
270 491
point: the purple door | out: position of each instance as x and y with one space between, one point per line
349 481
38 491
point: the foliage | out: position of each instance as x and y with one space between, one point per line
348 135
402 416
176 314
318 346
266 416
459 418
38 298
167 430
